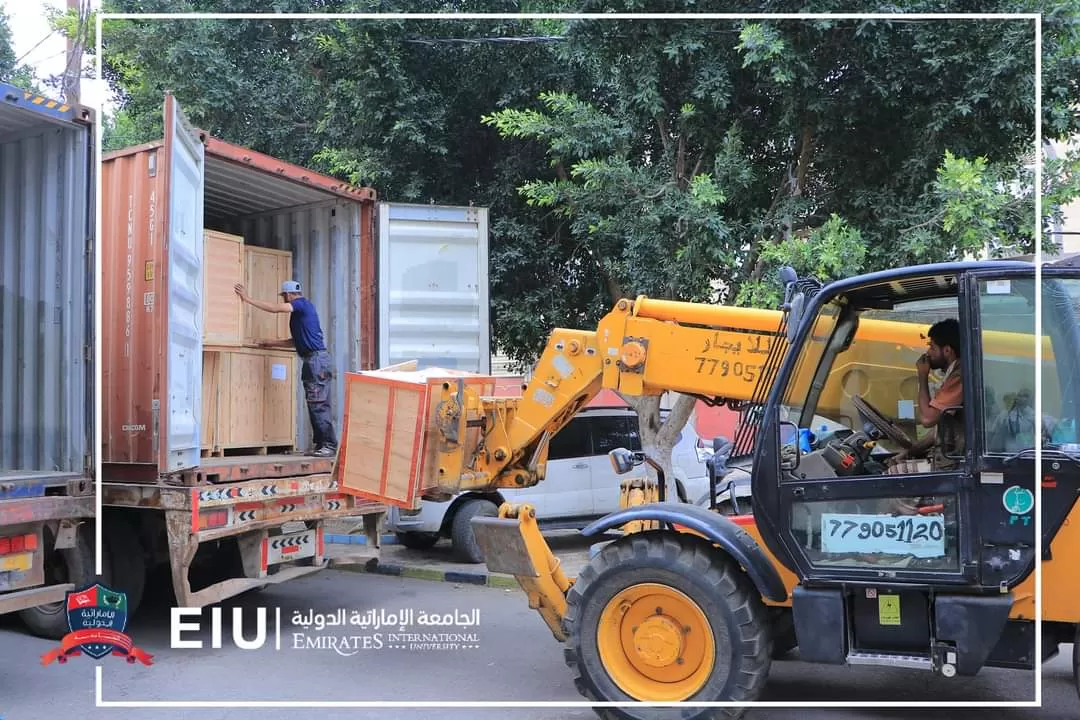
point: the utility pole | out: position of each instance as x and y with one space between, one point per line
75 45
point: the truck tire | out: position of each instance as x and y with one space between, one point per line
663 617
417 540
73 565
125 560
466 549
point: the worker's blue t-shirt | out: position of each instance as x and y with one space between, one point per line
304 325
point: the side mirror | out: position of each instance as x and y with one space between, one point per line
623 460
790 453
795 315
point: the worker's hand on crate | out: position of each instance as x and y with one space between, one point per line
239 288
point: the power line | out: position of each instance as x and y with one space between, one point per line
36 46
495 40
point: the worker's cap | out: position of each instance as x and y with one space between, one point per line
290 286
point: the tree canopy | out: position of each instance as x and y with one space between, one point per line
679 159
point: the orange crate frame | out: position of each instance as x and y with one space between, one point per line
421 394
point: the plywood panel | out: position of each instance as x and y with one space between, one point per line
210 388
223 311
383 437
264 271
279 398
401 465
245 398
249 398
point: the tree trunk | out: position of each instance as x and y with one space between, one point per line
657 440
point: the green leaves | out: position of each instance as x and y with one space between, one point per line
832 251
678 159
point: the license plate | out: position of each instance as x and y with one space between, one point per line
22 561
286 548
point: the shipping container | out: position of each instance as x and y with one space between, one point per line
47 190
46 284
249 515
157 200
433 287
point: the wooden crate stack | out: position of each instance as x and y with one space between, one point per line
249 393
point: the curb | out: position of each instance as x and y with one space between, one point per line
373 566
358 539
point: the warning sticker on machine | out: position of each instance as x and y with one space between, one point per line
888 609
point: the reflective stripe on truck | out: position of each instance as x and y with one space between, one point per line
21 558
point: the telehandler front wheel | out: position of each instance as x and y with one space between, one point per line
665 617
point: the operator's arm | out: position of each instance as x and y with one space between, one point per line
949 395
274 307
928 414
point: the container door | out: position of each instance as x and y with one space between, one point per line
433 287
184 160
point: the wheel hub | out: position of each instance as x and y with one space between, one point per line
658 641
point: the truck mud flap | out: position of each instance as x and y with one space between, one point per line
288 548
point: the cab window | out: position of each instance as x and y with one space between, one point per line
1007 317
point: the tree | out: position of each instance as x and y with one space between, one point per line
713 152
11 71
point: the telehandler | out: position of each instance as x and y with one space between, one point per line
930 564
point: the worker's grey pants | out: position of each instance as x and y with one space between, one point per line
316 374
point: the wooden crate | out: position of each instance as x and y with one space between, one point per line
264 271
388 439
249 398
223 267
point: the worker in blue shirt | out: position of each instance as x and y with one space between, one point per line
307 339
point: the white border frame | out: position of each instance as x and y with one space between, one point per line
1037 17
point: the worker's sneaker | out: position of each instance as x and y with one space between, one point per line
325 451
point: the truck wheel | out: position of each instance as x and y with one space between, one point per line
662 617
125 560
73 565
466 549
417 540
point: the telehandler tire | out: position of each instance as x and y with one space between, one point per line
662 616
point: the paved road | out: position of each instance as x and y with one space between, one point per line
516 659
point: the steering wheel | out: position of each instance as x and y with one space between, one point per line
888 428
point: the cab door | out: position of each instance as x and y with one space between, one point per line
1010 484
843 514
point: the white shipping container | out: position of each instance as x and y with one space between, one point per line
433 286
